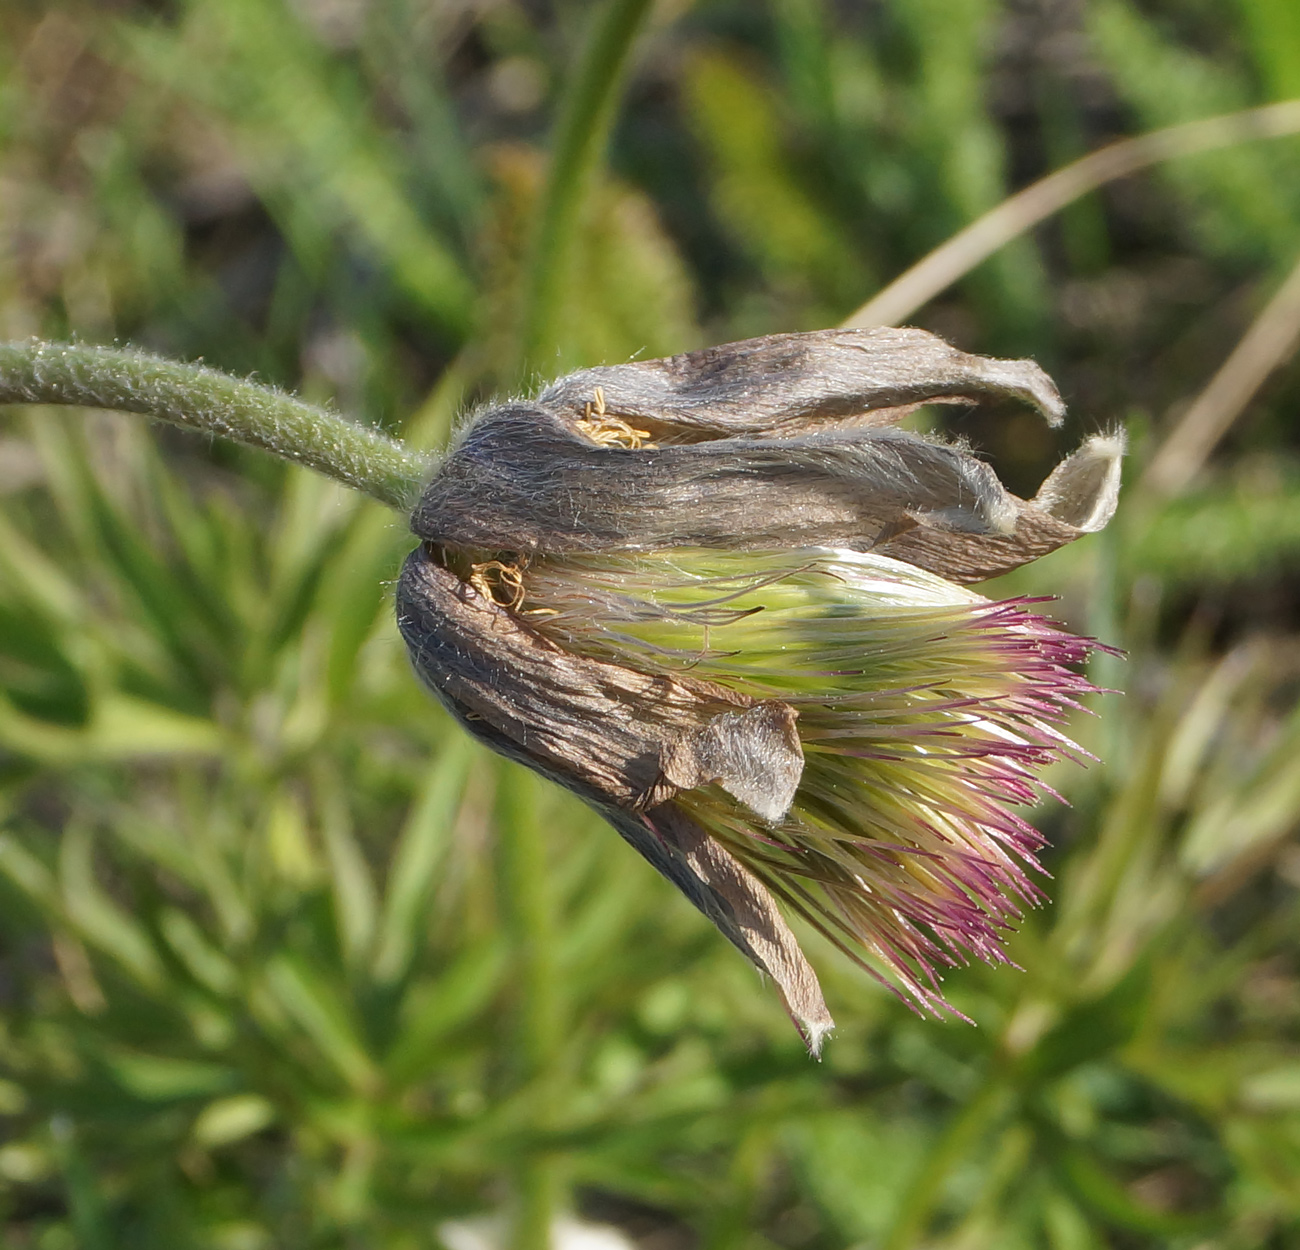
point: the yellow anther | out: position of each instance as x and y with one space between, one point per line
502 583
608 430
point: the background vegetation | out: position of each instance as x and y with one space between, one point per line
284 960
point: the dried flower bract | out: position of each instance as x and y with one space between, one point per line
722 598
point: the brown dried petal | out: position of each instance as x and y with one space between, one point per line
755 756
633 739
774 442
755 919
622 741
521 480
786 384
710 877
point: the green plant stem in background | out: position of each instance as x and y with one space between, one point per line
84 1202
204 399
1270 341
528 906
582 126
954 1143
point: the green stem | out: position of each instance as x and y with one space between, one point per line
204 399
954 1142
1104 621
85 1206
529 907
586 113
538 1200
732 1221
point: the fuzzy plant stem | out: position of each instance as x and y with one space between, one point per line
204 399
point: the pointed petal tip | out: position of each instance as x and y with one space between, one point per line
746 912
1028 382
1083 490
814 1033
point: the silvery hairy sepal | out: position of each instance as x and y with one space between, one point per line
720 596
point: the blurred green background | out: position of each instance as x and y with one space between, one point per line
285 961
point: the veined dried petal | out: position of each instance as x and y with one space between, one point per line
631 737
778 442
787 384
625 742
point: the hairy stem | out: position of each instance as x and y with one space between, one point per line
204 399
585 115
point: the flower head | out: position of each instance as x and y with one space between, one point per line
722 599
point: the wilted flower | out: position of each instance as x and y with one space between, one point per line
722 599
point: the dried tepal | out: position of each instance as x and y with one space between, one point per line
721 597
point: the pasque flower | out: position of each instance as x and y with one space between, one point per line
721 597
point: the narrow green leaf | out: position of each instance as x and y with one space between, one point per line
29 874
437 1006
424 841
164 1078
204 961
97 918
85 1203
353 887
316 1007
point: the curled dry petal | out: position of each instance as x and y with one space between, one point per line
770 443
524 480
787 384
1079 497
753 917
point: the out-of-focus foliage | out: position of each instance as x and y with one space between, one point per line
285 961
